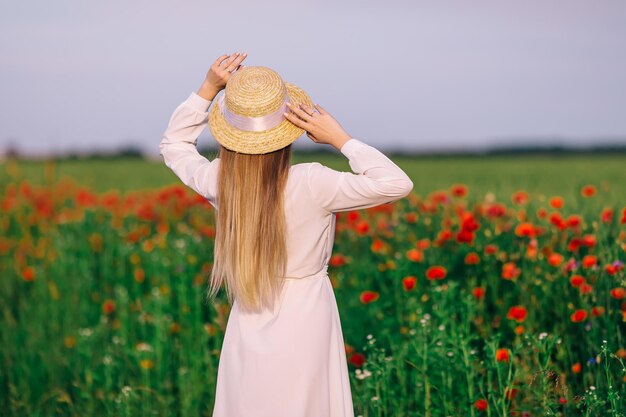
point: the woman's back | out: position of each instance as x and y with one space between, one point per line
315 192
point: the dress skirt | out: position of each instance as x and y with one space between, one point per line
286 363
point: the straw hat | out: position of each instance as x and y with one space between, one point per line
248 116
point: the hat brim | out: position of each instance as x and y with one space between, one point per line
265 141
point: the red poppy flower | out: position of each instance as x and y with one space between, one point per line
606 216
574 244
510 271
204 230
464 236
589 241
146 211
574 220
555 259
557 220
422 244
439 197
481 404
578 316
618 293
86 198
443 236
542 213
517 313
25 189
491 249
415 255
577 280
337 260
436 272
576 368
597 311
357 359
588 191
520 198
28 274
139 275
496 210
585 288
377 245
108 306
525 230
589 261
503 355
458 190
409 282
478 292
362 227
411 217
556 202
468 222
353 216
369 297
472 258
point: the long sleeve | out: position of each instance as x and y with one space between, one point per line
376 180
178 147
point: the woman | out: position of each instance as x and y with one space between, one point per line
283 352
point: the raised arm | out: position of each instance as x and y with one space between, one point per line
178 145
375 178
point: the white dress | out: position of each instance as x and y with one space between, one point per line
290 363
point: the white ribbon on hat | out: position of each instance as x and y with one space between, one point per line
253 124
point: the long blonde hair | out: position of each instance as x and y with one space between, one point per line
250 252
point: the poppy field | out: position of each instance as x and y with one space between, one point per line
474 296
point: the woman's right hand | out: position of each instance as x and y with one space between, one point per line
219 74
320 126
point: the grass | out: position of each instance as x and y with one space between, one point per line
101 309
501 175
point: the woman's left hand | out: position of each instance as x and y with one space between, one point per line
219 73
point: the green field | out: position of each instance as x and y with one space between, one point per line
458 300
501 175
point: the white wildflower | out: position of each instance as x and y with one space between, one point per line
143 347
363 374
86 332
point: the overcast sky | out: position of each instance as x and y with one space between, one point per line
420 75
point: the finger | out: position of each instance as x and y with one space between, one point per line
310 135
296 121
308 110
321 109
228 61
237 61
219 60
299 112
224 61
